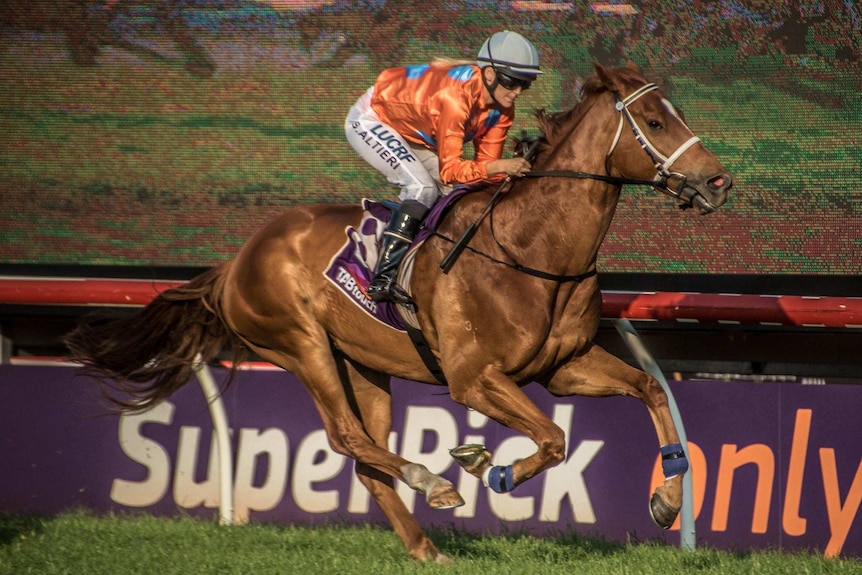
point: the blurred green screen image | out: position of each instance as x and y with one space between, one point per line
166 133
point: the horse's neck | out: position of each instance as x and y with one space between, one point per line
568 215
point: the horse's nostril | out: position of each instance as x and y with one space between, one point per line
720 181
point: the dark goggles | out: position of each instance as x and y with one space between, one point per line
510 83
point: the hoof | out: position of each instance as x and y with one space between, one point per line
435 557
444 497
425 552
439 492
474 458
662 513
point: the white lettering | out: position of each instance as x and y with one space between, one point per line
567 479
262 468
189 493
359 499
273 444
149 454
564 480
344 278
316 462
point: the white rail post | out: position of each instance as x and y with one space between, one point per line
687 535
222 431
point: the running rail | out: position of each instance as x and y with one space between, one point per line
619 306
682 307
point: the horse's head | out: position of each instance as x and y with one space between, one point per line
653 142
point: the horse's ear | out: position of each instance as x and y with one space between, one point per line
602 73
632 66
607 79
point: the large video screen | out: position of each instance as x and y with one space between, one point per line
166 133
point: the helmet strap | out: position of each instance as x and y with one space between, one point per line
492 86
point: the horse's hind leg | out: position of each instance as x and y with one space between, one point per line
317 370
369 395
599 374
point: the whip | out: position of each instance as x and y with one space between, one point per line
455 251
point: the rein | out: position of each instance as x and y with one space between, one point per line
661 162
660 185
587 176
519 267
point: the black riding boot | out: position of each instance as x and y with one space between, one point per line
403 226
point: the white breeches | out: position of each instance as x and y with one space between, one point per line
415 169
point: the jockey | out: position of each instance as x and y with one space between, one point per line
412 124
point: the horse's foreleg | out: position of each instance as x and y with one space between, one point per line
500 398
599 374
369 395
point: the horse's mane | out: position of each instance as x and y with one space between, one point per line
556 125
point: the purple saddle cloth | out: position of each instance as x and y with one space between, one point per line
351 269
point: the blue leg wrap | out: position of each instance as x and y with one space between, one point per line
500 479
673 460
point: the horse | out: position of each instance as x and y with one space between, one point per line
492 323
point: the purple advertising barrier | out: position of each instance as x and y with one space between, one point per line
774 465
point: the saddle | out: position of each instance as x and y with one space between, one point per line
351 269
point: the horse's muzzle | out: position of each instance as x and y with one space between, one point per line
702 206
711 197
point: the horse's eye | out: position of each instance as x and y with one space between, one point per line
654 125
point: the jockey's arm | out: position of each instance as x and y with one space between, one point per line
508 166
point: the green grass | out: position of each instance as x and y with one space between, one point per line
78 543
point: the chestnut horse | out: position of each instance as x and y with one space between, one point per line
493 323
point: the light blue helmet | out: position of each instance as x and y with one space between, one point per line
510 53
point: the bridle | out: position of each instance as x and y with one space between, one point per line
685 194
661 162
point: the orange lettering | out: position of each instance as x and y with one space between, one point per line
732 459
794 524
697 468
840 517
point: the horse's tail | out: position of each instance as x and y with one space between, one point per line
149 355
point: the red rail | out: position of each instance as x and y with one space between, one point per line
80 291
747 309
